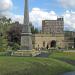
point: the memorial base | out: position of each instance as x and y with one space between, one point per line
27 53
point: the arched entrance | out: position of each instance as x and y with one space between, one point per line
74 42
53 43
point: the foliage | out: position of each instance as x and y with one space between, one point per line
4 27
15 47
3 44
5 53
14 34
4 24
34 30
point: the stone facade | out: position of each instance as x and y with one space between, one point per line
53 26
52 34
44 40
69 39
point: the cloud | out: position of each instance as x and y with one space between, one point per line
37 15
67 3
18 18
69 20
5 5
13 16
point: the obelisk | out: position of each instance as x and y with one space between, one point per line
26 35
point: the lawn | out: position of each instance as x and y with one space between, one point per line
32 66
63 55
68 57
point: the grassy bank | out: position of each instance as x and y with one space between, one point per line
63 55
32 66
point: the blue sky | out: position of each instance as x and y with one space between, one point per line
46 5
40 10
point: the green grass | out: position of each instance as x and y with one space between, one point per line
63 55
32 66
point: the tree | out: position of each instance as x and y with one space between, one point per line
36 30
3 44
15 47
4 26
32 30
14 34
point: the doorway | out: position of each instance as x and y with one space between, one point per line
53 43
74 42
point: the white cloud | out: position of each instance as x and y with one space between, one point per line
67 3
37 15
69 20
18 18
5 5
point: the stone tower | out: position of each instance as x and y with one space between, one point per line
26 35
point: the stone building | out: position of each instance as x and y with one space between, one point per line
47 40
69 39
52 34
44 40
53 26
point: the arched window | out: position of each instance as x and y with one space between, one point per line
43 43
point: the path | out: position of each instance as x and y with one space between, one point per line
72 62
69 73
43 54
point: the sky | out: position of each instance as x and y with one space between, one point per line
40 10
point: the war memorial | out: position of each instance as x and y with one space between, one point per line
51 36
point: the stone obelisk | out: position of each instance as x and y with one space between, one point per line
26 35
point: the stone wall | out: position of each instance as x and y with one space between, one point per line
42 40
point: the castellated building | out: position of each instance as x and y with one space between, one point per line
52 35
53 26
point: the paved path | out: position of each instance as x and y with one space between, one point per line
69 73
72 62
69 51
43 55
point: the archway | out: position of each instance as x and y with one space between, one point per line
74 42
53 43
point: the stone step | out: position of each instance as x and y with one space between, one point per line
25 53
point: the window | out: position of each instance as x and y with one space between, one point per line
43 43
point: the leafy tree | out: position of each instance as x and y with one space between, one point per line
3 44
32 30
15 47
4 26
14 34
36 30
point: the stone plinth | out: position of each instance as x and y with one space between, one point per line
26 41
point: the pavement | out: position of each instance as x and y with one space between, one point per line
69 51
69 73
43 55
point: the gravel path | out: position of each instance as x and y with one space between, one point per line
72 62
43 55
69 73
